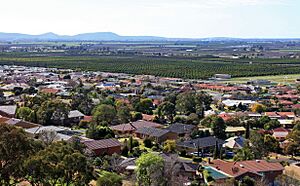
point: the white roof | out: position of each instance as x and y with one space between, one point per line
9 109
75 114
230 103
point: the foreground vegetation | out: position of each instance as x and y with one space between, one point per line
192 68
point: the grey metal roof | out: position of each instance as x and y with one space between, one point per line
154 132
209 141
180 128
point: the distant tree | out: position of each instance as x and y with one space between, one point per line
145 106
248 181
150 169
244 154
148 142
272 124
167 110
169 146
294 141
18 91
258 108
271 144
82 102
52 110
99 132
104 113
185 103
262 121
136 116
25 113
218 127
258 145
193 118
123 114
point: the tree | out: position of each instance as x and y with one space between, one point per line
262 121
272 124
149 171
244 154
193 118
218 127
53 112
271 144
248 181
294 141
25 113
82 102
145 106
185 103
123 114
169 146
258 108
104 113
109 179
15 147
59 163
99 132
166 110
258 145
148 142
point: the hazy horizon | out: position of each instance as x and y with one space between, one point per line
168 18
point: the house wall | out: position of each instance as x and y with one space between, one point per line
108 151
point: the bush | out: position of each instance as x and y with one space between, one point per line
197 159
148 143
109 178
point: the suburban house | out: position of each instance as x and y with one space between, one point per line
75 116
257 169
236 142
181 129
130 128
280 115
156 134
54 132
203 144
103 147
280 133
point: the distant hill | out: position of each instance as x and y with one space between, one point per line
98 36
110 36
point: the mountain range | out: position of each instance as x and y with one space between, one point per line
108 36
97 36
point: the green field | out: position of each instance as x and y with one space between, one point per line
283 79
192 68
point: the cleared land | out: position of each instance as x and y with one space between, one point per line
192 68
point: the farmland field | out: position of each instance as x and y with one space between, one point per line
192 68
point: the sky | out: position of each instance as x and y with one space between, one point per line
168 18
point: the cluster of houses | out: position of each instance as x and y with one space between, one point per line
229 101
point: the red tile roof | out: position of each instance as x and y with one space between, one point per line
49 90
236 169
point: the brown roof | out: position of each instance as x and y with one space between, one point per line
49 90
3 119
102 144
135 125
236 169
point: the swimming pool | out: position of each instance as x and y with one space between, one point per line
215 174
